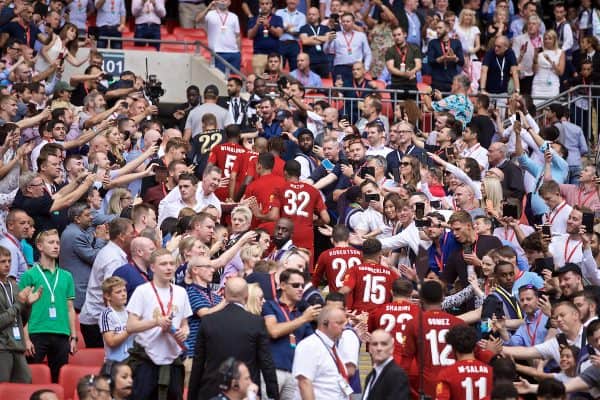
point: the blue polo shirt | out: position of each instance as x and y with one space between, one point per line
133 275
272 130
266 45
497 82
281 349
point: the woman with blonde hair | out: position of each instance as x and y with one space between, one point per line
491 189
548 66
256 299
115 153
119 200
469 35
250 255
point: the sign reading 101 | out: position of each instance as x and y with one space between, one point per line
113 63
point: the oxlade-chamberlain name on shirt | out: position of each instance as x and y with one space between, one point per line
438 321
374 269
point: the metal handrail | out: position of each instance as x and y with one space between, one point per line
197 46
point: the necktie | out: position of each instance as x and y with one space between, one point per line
340 365
370 384
236 109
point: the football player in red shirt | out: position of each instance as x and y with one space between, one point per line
224 156
393 317
370 283
467 378
436 354
300 202
334 263
264 209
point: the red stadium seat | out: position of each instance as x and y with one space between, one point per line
22 391
88 357
40 374
70 375
180 33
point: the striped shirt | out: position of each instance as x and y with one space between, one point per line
200 297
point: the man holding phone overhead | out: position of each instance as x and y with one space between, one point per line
574 246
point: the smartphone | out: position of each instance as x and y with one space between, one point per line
328 165
419 210
468 248
364 171
449 151
518 117
562 340
510 210
423 223
590 349
158 142
396 174
546 230
540 264
371 197
437 204
588 221
125 105
432 148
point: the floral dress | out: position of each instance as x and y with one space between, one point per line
381 41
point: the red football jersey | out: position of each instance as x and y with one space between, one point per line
436 354
334 263
299 202
247 166
264 189
465 380
393 318
371 286
224 156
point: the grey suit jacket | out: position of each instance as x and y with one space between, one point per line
78 250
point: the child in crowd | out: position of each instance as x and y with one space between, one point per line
113 320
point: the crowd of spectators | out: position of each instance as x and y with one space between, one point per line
251 242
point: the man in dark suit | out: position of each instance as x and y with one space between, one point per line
387 380
238 107
231 332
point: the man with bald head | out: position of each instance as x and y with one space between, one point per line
387 380
137 271
231 332
512 184
303 74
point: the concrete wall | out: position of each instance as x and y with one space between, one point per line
176 71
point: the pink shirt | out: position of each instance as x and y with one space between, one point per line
575 195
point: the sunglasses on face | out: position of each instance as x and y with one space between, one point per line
296 285
405 164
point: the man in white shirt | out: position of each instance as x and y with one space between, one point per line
525 48
474 149
223 32
559 209
17 228
111 257
376 138
205 195
320 372
188 184
158 313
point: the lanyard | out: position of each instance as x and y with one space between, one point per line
273 288
283 308
570 255
506 235
204 293
555 213
537 324
349 42
501 68
142 273
223 20
50 289
519 275
313 29
160 303
439 256
336 359
16 243
503 293
9 298
402 54
471 151
585 199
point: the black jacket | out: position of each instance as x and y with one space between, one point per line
231 332
392 384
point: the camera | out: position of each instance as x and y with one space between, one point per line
282 83
153 89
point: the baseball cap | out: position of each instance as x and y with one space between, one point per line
282 114
62 85
570 267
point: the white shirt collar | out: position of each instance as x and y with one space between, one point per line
325 338
380 367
